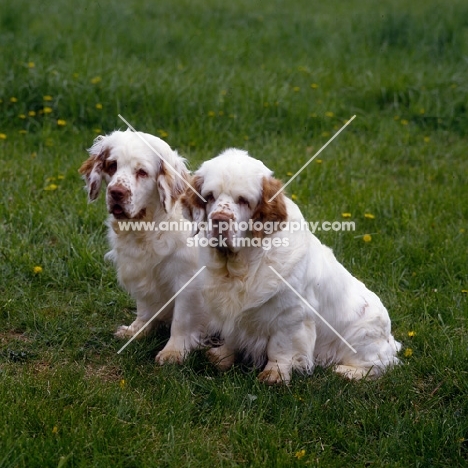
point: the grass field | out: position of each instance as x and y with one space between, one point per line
277 78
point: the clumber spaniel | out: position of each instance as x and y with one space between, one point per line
151 265
254 310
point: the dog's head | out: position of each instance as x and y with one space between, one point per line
142 173
237 189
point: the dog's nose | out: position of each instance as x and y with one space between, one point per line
118 193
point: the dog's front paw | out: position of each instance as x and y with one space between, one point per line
170 356
124 331
221 357
273 377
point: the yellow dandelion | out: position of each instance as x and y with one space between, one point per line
75 75
96 80
13 99
163 133
422 111
296 89
427 139
318 161
325 134
211 113
37 269
369 216
366 237
404 122
289 174
346 215
329 114
465 291
122 384
294 197
61 122
50 179
47 110
31 64
408 352
314 85
51 188
32 113
411 333
22 132
99 106
47 98
33 155
2 136
97 130
60 177
55 430
246 137
300 454
22 116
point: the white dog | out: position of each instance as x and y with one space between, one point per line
144 183
254 310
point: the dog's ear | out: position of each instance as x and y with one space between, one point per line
91 169
193 207
170 182
274 210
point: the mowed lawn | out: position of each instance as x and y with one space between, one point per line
277 78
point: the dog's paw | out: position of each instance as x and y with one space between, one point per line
125 331
170 356
272 377
221 358
356 373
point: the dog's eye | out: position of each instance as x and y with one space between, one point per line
111 167
141 173
209 197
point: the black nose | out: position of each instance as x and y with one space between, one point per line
118 193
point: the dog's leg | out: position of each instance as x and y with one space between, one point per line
186 329
222 357
289 348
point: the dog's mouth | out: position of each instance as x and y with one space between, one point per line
119 212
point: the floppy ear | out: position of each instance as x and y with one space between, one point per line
171 185
193 207
91 169
275 210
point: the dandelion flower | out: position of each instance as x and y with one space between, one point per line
289 174
61 122
13 99
300 454
366 237
427 139
163 133
37 270
99 106
325 134
422 111
32 113
211 113
314 85
329 114
346 215
47 110
465 291
22 116
97 130
47 98
31 64
294 197
22 132
408 352
411 333
122 384
55 430
60 177
2 136
369 216
296 89
96 80
51 187
318 161
404 122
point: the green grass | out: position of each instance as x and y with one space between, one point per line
207 75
